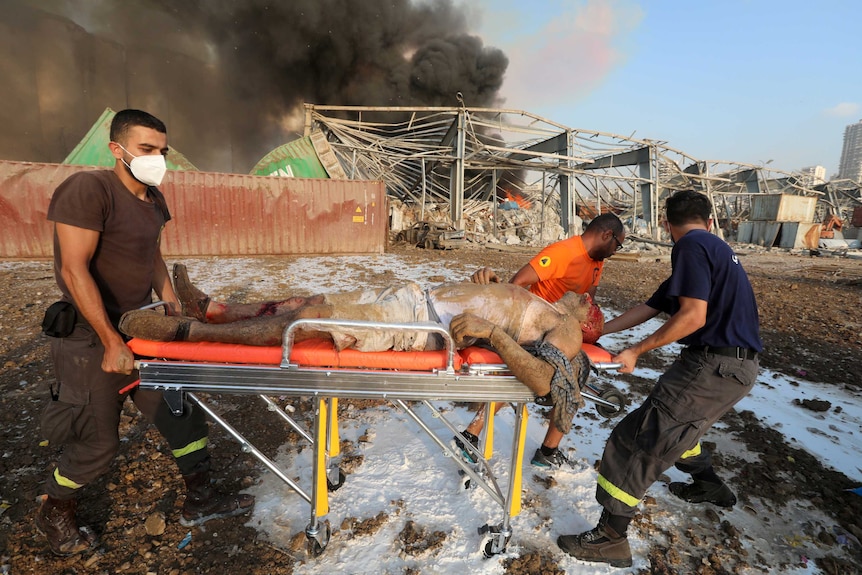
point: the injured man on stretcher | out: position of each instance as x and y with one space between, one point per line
537 340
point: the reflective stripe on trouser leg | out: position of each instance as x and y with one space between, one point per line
693 452
186 434
617 493
65 481
191 448
694 460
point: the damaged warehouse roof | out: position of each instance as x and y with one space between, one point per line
461 155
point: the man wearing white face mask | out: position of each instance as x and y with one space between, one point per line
149 169
107 261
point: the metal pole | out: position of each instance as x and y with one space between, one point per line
494 199
542 223
456 183
422 212
309 108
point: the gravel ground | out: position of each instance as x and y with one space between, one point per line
811 326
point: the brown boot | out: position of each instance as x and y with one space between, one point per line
152 325
601 544
204 503
193 300
56 520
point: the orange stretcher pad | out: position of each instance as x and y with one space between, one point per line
322 353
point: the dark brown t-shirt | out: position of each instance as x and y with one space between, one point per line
130 228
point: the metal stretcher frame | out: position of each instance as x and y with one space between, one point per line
471 383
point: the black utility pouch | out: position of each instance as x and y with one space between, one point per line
59 320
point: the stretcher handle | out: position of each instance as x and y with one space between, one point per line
607 365
324 324
155 304
137 363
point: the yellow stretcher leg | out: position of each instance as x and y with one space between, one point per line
515 503
333 442
321 494
489 430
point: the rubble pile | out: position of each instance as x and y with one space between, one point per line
511 224
508 224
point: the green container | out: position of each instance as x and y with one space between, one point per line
296 159
93 149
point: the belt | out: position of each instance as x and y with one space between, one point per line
737 352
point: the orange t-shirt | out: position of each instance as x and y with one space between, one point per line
565 266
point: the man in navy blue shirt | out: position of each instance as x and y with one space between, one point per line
714 314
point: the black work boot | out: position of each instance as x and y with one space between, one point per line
56 520
601 544
699 491
203 502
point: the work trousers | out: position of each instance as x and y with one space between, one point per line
83 416
696 390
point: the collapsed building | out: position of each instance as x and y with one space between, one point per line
512 176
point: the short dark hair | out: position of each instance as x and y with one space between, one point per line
687 206
606 221
127 119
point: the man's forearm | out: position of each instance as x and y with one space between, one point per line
530 370
635 316
88 301
685 322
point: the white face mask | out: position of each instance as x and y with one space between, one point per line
149 170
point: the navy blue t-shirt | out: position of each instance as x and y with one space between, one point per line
705 268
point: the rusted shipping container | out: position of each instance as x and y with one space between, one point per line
214 213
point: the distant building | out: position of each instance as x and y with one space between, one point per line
812 176
851 155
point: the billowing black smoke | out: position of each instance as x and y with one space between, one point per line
226 75
355 53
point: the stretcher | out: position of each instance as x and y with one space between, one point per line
315 369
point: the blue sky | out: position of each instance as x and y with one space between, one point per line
737 80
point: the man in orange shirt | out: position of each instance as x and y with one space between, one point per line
574 264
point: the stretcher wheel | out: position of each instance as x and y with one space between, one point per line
615 397
494 540
333 486
488 550
316 544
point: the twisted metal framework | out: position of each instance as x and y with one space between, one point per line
466 156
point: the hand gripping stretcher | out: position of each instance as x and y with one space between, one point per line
314 368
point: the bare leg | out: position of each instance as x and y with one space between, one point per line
220 312
260 330
478 424
554 436
264 331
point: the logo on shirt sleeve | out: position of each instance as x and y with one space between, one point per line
545 261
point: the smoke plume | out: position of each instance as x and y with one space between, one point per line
227 76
